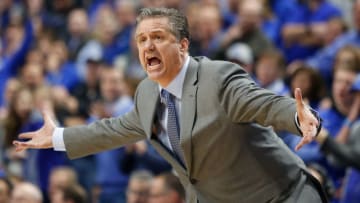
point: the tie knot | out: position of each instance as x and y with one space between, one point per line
166 96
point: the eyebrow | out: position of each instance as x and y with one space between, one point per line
154 31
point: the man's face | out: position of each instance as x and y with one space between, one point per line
112 84
161 54
137 191
159 194
341 89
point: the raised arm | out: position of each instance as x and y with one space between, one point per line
84 140
244 101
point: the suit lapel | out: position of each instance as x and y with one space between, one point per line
152 101
188 109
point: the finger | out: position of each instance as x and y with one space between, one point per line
20 146
300 145
298 98
303 141
27 135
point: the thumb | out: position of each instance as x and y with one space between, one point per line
299 99
48 115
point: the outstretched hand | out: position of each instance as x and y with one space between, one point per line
39 139
308 122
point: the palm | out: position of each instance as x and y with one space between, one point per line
308 122
39 139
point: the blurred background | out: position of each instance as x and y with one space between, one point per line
78 58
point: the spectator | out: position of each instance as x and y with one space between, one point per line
334 117
78 31
209 30
111 181
324 59
271 23
345 148
54 17
86 93
105 32
59 70
70 194
247 30
60 178
18 43
33 76
139 187
303 31
312 86
19 119
270 70
335 28
26 193
125 11
166 188
12 85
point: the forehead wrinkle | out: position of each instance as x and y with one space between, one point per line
151 31
157 26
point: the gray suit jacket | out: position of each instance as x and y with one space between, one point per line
228 156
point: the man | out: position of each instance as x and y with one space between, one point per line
166 188
209 132
26 193
70 194
61 177
138 187
111 181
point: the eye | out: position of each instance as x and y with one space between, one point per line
158 37
141 40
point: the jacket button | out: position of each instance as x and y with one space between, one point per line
193 181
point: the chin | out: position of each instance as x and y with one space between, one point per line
154 77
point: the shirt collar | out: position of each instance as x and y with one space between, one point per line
176 85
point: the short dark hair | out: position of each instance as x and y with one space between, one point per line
172 182
178 22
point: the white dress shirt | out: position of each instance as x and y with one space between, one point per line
175 88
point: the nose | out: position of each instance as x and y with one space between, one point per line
149 45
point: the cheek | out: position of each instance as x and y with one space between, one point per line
170 55
141 57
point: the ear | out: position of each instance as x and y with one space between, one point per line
184 45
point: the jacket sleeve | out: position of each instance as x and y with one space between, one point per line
104 134
244 101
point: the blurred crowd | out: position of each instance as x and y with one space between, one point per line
77 58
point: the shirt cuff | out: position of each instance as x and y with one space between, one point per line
58 139
316 114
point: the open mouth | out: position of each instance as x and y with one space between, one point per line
153 61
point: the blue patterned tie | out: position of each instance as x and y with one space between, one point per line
173 129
